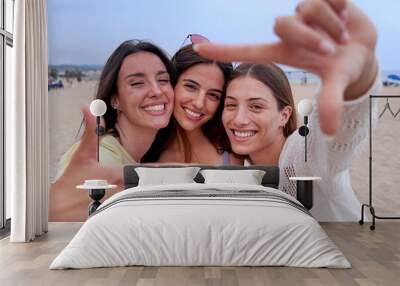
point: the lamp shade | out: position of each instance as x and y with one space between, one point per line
305 107
98 107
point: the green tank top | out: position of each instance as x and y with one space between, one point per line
112 153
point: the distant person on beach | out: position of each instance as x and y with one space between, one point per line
137 86
196 132
304 78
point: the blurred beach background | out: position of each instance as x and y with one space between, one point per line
83 34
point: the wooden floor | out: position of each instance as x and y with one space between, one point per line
374 255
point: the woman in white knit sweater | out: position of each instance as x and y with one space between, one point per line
260 120
336 41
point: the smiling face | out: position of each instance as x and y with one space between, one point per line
144 91
197 95
251 117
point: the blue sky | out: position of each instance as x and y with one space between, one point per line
87 31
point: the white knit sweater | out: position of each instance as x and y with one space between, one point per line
334 198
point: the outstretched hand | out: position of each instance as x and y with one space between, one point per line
330 38
67 203
83 164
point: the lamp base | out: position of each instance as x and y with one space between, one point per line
96 195
305 193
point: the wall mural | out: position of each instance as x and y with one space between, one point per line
163 102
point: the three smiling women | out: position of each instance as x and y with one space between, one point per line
219 116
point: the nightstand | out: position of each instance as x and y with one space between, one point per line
97 190
305 190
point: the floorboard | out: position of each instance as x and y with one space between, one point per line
374 255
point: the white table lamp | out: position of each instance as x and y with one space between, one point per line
98 108
305 108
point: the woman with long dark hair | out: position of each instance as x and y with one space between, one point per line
137 86
196 133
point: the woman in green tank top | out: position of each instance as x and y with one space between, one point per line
137 86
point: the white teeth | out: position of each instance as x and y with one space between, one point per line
244 133
192 113
159 107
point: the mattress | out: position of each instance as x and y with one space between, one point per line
201 225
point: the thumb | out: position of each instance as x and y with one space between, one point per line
330 104
90 121
88 144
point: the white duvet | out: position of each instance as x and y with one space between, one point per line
190 230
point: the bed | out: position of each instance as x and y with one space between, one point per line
201 222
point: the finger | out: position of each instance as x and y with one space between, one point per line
242 53
294 32
330 104
321 16
113 174
338 5
88 144
79 171
90 119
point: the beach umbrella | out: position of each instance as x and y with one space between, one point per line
394 77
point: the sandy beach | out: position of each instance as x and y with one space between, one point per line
65 119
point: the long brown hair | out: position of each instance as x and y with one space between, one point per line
213 129
109 75
273 77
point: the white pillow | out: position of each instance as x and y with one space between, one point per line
248 177
162 176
